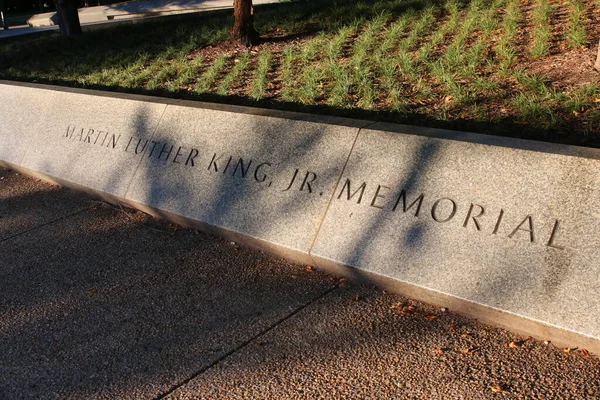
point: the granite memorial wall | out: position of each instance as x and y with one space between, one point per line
504 230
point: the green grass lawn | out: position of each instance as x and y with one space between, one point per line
521 68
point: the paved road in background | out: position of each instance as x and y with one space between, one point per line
99 302
99 15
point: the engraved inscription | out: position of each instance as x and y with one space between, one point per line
212 162
92 136
444 210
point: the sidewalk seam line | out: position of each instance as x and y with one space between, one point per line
244 344
45 224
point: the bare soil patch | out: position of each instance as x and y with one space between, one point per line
568 70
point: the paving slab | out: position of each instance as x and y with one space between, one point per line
112 304
83 140
268 178
499 226
358 342
26 203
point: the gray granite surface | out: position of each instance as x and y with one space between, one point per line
84 137
23 111
269 178
506 228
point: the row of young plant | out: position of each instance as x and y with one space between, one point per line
433 58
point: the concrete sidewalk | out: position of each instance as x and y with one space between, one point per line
138 9
92 18
100 302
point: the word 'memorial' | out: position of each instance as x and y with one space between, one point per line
445 209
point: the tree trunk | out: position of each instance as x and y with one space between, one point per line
68 17
243 31
597 65
3 14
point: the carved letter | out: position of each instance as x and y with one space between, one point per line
498 222
162 151
361 189
177 155
434 208
264 176
98 137
292 182
404 208
137 146
553 236
228 163
213 162
69 134
378 196
114 140
128 143
193 154
469 216
152 149
308 182
240 164
529 220
79 135
103 140
87 137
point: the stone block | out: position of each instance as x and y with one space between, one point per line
83 139
269 179
22 112
501 223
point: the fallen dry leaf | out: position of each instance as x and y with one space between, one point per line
586 353
430 317
497 389
469 350
439 351
514 345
